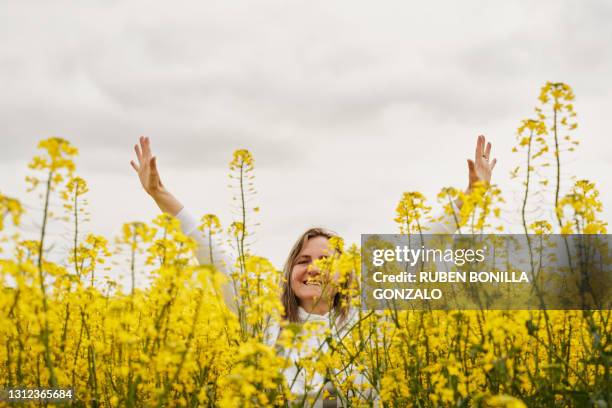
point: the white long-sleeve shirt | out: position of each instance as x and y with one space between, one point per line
314 342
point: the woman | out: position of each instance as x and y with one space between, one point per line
305 297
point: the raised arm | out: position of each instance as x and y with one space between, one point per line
479 170
151 182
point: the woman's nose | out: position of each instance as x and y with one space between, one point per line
313 269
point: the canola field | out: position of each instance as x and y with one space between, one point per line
175 343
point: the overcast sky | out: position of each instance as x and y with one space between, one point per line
344 105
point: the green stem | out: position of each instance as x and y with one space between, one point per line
45 330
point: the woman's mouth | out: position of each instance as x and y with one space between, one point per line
312 282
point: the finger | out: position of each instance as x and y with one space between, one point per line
138 154
477 146
493 163
134 165
481 146
147 147
487 150
143 150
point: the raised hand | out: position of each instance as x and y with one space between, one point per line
480 168
147 167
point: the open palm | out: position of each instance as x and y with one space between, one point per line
480 168
147 167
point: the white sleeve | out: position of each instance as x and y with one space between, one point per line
446 225
222 259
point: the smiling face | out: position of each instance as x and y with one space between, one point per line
312 288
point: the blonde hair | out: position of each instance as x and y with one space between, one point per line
290 301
